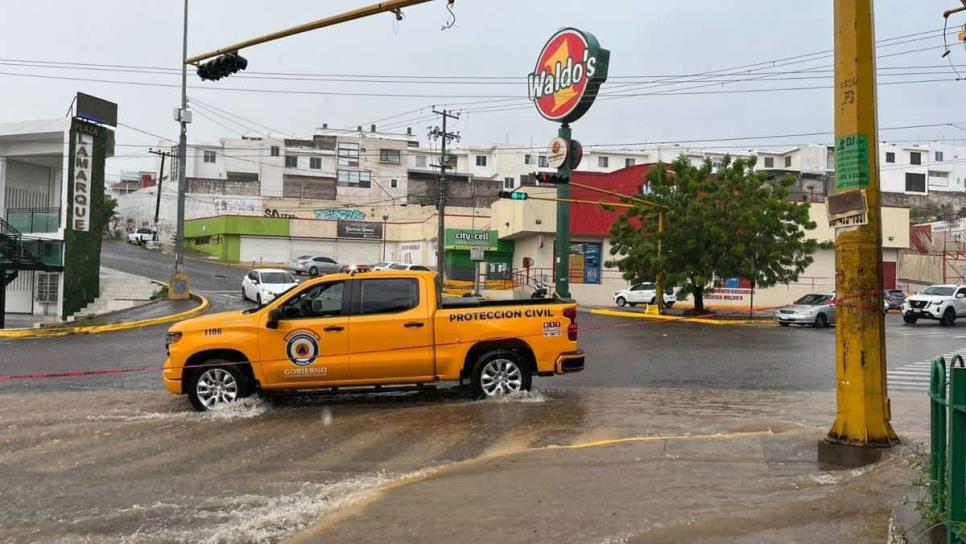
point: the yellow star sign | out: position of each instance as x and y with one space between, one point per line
560 55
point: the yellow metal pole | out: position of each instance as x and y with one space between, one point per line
863 410
366 11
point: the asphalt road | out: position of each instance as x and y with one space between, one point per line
117 459
621 352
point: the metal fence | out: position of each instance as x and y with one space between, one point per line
947 409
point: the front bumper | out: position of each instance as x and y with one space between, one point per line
570 362
796 318
928 312
172 378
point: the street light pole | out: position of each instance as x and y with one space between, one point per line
179 280
384 219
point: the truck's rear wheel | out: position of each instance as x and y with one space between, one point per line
500 372
216 384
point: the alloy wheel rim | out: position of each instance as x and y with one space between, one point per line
217 387
501 377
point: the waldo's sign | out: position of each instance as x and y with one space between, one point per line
568 75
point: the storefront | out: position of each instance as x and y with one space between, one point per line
498 254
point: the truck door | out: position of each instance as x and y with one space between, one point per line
390 331
310 347
959 300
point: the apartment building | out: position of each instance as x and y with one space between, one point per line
921 169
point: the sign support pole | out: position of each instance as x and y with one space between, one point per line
863 408
563 220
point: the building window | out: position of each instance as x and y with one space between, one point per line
585 262
938 156
354 178
393 183
481 160
209 156
542 161
890 157
508 183
47 287
291 161
788 161
420 161
938 178
769 162
274 151
528 159
315 163
915 157
603 162
628 163
390 155
348 154
915 183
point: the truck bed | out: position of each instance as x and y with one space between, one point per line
473 302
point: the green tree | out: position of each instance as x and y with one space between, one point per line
108 212
721 223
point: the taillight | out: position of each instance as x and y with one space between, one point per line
571 314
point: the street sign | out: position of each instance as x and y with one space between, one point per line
568 74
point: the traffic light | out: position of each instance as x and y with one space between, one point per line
222 66
513 195
550 179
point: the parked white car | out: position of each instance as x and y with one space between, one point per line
140 236
940 302
264 284
314 265
382 265
642 293
404 266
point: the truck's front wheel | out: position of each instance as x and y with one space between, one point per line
498 373
216 384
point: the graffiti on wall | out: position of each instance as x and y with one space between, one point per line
340 214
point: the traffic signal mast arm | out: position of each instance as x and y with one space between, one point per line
373 9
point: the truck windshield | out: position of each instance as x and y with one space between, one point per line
939 291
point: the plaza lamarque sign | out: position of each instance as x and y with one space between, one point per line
568 75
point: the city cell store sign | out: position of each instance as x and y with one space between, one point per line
81 181
568 75
360 230
467 238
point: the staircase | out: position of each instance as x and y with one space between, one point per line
18 254
119 291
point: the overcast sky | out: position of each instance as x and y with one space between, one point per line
648 39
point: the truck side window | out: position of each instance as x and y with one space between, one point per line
323 300
384 296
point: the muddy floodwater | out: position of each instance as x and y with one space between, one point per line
139 466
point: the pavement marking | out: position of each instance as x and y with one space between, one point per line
916 376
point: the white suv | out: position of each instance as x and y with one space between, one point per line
942 302
642 293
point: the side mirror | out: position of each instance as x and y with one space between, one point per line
960 295
273 316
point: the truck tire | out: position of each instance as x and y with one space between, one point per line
216 384
910 319
949 318
499 372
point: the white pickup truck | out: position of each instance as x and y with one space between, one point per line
941 302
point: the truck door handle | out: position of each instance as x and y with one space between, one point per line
413 324
333 328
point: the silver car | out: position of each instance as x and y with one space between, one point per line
314 265
817 310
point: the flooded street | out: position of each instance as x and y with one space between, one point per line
139 466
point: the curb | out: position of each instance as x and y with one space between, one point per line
699 320
96 329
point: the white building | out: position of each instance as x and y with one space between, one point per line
921 169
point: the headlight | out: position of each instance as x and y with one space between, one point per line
172 338
937 303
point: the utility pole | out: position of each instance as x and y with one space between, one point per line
563 219
445 136
179 279
863 408
157 204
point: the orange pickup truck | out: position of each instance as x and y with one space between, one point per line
366 330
